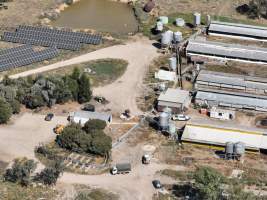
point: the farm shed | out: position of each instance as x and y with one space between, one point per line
176 99
226 51
242 31
219 135
81 117
235 82
230 99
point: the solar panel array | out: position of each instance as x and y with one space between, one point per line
24 55
44 36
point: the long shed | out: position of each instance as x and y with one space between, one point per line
215 134
226 51
237 30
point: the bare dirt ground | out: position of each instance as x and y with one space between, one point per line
19 138
123 92
137 185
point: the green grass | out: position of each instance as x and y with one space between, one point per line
105 70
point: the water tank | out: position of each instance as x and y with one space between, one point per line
149 6
172 129
164 121
177 37
180 22
239 148
166 38
229 148
164 19
173 63
197 19
159 26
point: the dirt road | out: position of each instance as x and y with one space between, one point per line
122 93
20 138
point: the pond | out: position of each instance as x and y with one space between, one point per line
100 15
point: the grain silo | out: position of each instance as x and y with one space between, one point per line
239 149
164 119
173 63
197 19
166 38
159 26
177 37
229 149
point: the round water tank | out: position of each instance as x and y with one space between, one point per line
164 19
159 26
180 22
149 6
229 148
164 120
172 129
177 37
197 19
167 38
173 63
239 148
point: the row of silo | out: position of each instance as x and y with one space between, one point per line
169 37
234 150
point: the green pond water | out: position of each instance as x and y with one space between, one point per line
100 15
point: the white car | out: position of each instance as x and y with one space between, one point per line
180 117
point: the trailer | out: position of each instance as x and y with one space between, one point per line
121 168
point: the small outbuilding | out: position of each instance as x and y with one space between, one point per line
175 99
222 114
81 117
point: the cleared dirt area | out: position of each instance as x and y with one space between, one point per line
24 12
19 138
123 92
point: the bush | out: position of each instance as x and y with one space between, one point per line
48 176
20 171
5 111
208 182
101 144
15 105
94 124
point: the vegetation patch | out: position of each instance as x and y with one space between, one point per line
96 194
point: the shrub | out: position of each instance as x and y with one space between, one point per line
5 111
85 93
94 124
20 171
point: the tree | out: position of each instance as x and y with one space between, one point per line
5 111
208 182
20 171
15 105
76 74
101 143
84 94
48 176
94 124
73 86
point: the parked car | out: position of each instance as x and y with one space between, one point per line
88 107
180 117
49 117
157 184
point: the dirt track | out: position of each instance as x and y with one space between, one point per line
122 93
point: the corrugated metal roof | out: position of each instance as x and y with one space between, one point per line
225 50
233 98
238 29
92 115
232 79
174 95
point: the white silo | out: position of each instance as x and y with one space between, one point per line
208 20
177 37
179 22
239 148
197 19
166 38
159 26
172 129
173 63
164 19
164 119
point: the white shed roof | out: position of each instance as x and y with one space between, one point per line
174 95
92 115
238 29
225 50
